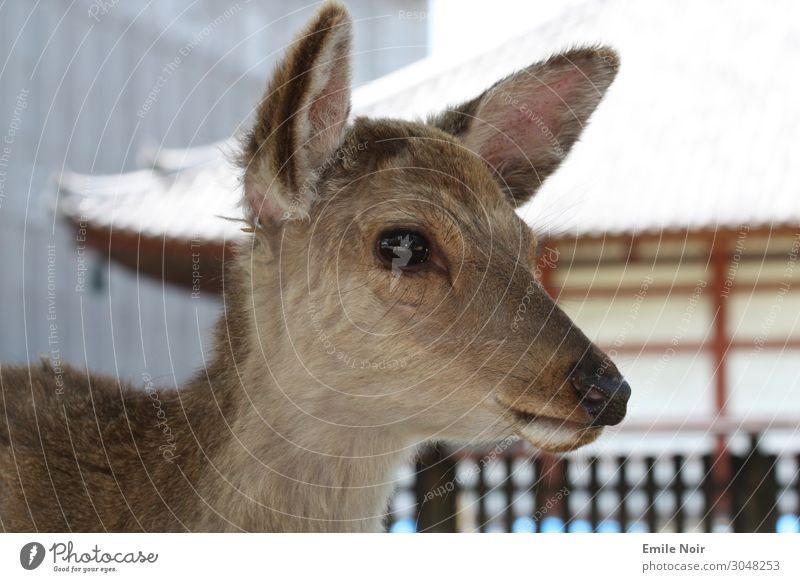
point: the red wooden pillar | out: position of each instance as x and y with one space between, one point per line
547 264
720 344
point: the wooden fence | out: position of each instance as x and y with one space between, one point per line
515 490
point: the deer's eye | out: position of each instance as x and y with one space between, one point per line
403 248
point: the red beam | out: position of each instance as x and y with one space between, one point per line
621 292
694 347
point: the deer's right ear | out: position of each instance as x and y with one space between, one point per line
300 121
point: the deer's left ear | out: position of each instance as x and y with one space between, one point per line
525 125
301 120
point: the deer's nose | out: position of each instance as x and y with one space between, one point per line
604 398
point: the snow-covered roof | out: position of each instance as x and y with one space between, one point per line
700 130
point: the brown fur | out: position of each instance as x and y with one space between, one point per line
330 369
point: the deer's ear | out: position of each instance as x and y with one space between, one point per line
525 125
300 121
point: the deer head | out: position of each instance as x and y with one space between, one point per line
389 267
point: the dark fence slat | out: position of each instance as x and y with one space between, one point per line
538 488
568 487
482 490
709 494
436 469
652 491
755 491
678 489
508 487
622 493
594 492
797 482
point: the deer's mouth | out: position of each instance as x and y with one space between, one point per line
550 433
526 418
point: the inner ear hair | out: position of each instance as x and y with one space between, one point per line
525 124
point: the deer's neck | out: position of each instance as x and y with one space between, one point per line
288 472
287 462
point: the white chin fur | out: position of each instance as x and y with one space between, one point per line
551 436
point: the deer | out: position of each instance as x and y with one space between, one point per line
371 308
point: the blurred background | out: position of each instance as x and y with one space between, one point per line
671 235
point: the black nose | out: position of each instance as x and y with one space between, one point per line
604 398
